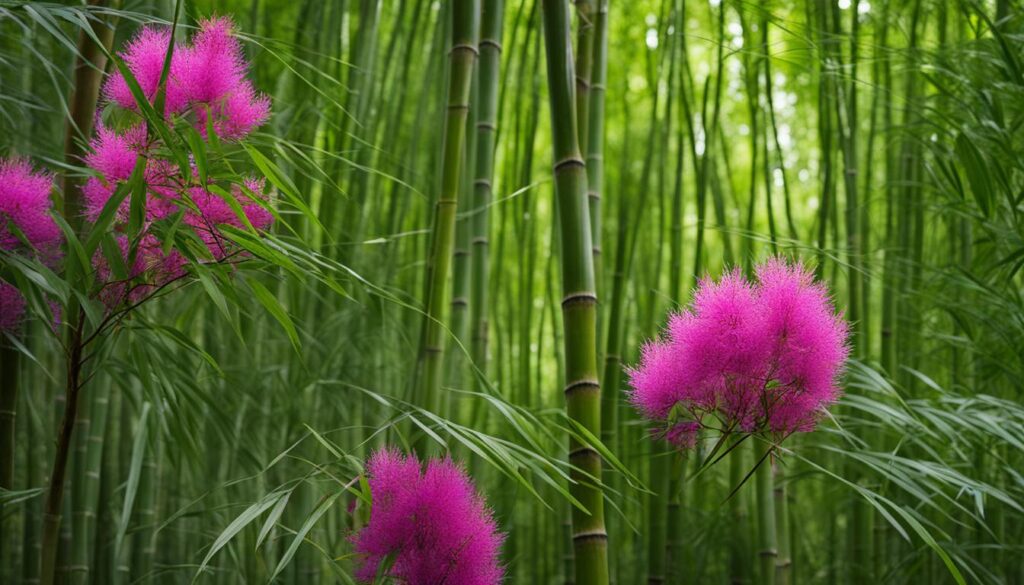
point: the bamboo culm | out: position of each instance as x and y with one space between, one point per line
579 302
462 56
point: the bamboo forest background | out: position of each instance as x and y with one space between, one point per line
881 142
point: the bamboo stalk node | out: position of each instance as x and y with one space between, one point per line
463 47
582 383
480 240
590 535
582 297
460 302
490 43
584 451
570 161
482 125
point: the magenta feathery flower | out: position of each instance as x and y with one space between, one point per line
432 525
762 358
144 56
25 207
807 342
207 77
207 86
25 203
215 75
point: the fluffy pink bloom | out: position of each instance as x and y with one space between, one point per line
237 114
214 65
761 357
207 77
113 157
708 349
433 525
144 55
214 76
206 84
25 204
807 344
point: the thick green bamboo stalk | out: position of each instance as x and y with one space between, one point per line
9 382
887 345
819 14
78 555
846 116
767 550
579 302
657 509
85 509
462 56
461 259
710 133
107 511
783 562
779 155
146 509
677 567
34 474
492 13
585 31
595 135
740 554
54 503
751 69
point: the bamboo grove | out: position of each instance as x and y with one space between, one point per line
482 209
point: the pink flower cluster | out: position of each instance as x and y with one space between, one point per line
207 81
761 357
25 207
431 525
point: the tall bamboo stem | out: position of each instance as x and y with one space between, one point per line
579 302
487 128
462 56
8 409
595 135
767 551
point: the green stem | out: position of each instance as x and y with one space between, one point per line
767 551
462 57
486 129
8 410
783 562
54 502
579 302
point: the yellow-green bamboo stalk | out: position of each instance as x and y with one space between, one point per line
462 56
492 14
767 551
579 302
